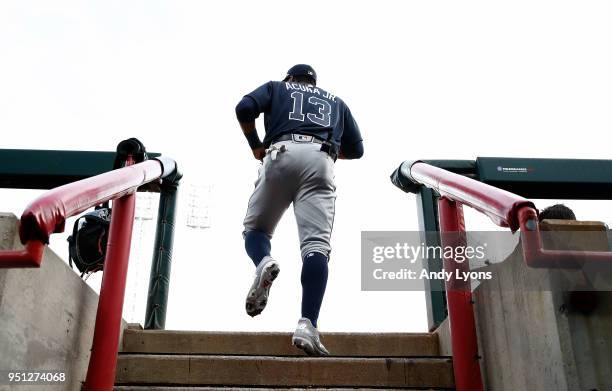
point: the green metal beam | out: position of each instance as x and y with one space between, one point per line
159 282
435 294
47 169
578 179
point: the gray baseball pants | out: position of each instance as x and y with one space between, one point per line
295 172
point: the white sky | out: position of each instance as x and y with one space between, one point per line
445 79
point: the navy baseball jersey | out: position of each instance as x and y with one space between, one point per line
305 109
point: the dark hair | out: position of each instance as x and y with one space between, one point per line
303 79
557 211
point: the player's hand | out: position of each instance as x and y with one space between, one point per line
259 153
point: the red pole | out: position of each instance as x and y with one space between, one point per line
464 341
103 361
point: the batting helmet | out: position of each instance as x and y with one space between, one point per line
87 244
301 70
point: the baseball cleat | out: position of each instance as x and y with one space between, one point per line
265 274
306 337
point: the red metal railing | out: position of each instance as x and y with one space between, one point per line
536 256
30 256
48 214
466 365
506 210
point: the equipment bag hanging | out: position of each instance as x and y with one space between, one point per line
87 244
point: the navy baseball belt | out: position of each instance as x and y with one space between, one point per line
326 146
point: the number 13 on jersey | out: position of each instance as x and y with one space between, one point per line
323 115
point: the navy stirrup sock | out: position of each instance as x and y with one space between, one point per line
257 245
314 281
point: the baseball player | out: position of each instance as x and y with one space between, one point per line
307 129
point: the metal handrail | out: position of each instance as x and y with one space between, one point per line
500 205
48 214
505 209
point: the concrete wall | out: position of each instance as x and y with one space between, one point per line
47 316
445 347
531 339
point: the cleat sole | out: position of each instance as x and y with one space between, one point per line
257 298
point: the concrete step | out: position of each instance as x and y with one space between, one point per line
196 388
279 344
155 369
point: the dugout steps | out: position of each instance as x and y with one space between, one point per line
185 360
